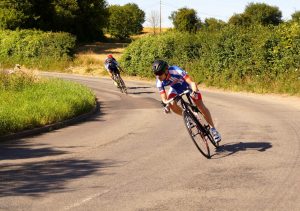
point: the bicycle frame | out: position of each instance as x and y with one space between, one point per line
185 105
117 78
190 111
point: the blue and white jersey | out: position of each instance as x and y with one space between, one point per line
175 79
110 63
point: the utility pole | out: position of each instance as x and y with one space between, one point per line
159 16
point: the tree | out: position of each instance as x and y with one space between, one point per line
91 18
296 16
125 20
261 13
14 13
137 17
153 19
239 20
185 20
213 24
84 18
64 14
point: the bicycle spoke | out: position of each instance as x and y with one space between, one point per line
196 135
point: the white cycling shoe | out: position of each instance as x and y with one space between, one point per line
216 135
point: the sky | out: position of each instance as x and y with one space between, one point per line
219 9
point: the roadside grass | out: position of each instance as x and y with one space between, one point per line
89 58
28 102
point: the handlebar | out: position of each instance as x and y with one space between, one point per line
171 100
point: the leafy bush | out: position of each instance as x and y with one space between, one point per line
173 47
35 48
255 58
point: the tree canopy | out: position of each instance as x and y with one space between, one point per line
125 20
257 13
239 20
296 16
84 18
185 19
263 14
213 24
15 13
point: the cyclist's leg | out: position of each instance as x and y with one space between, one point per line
110 73
206 113
204 110
174 107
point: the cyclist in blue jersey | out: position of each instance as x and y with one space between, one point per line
111 65
179 81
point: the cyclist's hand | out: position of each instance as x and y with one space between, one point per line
166 107
194 94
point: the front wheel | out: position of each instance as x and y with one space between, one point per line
199 138
122 85
206 130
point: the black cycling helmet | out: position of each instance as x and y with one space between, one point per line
159 67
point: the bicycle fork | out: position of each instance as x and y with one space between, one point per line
190 125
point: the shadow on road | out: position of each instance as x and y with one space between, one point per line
139 92
37 178
21 149
232 148
139 87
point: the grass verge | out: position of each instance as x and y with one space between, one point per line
28 102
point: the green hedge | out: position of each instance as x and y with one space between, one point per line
257 58
37 49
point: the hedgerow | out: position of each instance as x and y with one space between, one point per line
256 58
36 49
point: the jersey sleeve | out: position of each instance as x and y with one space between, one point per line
178 71
183 73
106 64
160 86
115 62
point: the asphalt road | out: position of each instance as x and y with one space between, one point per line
131 156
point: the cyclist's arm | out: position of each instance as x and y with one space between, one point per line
191 83
116 63
120 68
163 97
161 90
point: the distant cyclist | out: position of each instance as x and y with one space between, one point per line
112 66
179 81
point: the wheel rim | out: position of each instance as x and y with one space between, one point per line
199 139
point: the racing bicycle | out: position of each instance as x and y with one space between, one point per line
195 123
120 83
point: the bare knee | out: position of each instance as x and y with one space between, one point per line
176 109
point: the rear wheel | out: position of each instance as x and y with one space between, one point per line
199 138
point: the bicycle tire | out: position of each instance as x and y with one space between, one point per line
206 130
118 81
115 78
205 127
199 139
210 137
123 86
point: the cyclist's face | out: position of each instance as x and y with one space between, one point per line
162 77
